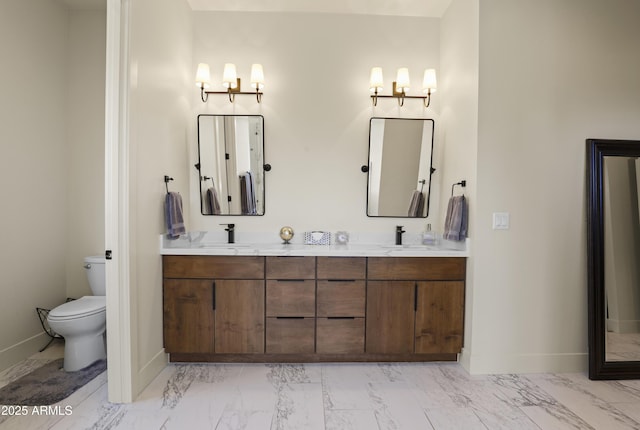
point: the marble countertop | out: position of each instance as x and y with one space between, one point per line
203 243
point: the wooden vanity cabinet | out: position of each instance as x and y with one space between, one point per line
213 304
415 305
305 309
340 305
290 305
188 316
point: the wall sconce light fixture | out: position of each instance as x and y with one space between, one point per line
230 81
401 85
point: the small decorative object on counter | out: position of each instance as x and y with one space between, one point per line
342 237
286 234
317 238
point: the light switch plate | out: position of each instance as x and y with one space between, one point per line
501 220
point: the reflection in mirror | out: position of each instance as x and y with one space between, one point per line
613 227
231 160
622 258
399 179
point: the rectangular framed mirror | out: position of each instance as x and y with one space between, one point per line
613 241
231 164
399 168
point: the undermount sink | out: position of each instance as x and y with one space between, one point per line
222 245
408 247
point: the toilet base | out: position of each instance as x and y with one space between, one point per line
81 351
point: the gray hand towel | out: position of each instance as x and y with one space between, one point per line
213 202
173 215
416 205
455 223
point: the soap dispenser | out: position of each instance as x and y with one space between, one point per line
429 237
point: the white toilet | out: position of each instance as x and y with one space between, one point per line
82 322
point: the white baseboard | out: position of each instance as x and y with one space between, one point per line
22 350
150 370
465 359
524 363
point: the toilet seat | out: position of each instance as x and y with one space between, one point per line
83 307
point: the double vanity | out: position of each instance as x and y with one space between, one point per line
303 303
259 300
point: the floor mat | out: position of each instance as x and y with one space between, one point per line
48 384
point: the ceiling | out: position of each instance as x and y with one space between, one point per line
422 8
85 4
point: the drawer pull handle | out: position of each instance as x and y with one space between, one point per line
213 300
341 318
290 280
289 318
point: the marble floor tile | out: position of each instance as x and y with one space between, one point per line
352 419
299 406
582 399
538 405
343 396
482 395
396 407
452 418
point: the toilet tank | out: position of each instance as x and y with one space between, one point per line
94 268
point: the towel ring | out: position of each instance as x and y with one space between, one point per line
166 182
462 183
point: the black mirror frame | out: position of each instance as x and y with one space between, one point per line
599 368
266 167
366 168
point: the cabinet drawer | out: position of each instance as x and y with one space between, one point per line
292 298
342 267
290 335
341 298
212 267
416 268
340 336
291 267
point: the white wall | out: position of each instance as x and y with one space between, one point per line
316 106
551 75
52 162
33 170
161 81
85 143
458 87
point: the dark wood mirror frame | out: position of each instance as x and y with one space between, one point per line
599 368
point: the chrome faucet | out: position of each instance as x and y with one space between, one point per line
399 232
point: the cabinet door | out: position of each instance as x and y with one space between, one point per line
390 317
239 316
188 316
439 317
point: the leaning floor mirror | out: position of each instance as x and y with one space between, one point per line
613 233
